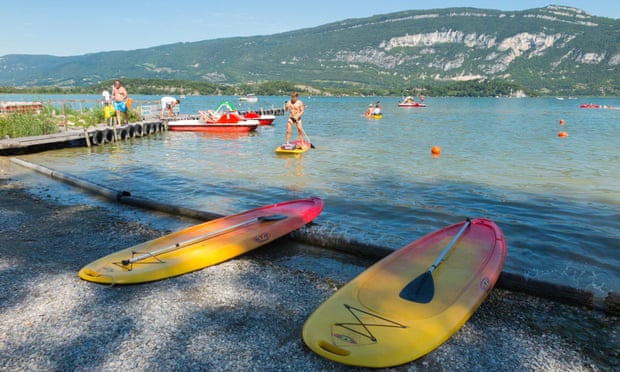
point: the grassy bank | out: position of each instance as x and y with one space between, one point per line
51 119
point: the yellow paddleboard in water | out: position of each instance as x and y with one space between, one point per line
409 303
293 148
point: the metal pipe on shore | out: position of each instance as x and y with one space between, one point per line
71 180
510 281
123 197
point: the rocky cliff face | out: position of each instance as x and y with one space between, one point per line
537 48
492 52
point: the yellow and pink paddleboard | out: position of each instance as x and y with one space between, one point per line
202 245
412 301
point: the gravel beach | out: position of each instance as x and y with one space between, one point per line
244 314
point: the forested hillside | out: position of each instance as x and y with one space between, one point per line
553 50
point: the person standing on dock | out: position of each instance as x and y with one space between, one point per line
296 108
106 97
119 95
168 103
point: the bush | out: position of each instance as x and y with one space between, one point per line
22 125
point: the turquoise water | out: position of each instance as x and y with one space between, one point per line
556 199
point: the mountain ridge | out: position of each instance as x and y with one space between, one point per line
554 50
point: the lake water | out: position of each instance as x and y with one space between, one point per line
556 199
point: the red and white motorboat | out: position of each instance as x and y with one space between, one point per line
196 125
410 102
224 119
262 118
249 98
590 105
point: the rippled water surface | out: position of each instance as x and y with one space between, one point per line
556 199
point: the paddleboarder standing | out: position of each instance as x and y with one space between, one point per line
296 109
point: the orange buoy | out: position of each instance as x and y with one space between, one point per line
436 151
562 134
561 121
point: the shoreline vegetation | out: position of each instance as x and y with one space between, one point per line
473 88
50 118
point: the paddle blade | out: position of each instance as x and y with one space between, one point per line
420 289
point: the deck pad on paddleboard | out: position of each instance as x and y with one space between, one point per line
202 245
374 322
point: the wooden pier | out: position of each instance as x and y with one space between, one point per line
93 136
101 134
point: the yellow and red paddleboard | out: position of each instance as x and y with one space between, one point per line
293 148
392 314
202 245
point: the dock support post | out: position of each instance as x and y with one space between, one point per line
87 138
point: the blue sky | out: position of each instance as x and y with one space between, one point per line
71 27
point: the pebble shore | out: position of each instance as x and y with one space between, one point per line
244 314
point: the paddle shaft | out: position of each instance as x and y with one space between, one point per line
308 138
201 238
449 247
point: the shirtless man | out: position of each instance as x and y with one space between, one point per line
296 108
119 95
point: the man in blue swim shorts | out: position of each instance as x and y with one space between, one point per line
119 96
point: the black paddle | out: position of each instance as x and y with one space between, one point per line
422 288
212 234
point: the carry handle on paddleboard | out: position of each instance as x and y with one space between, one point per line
422 288
273 217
